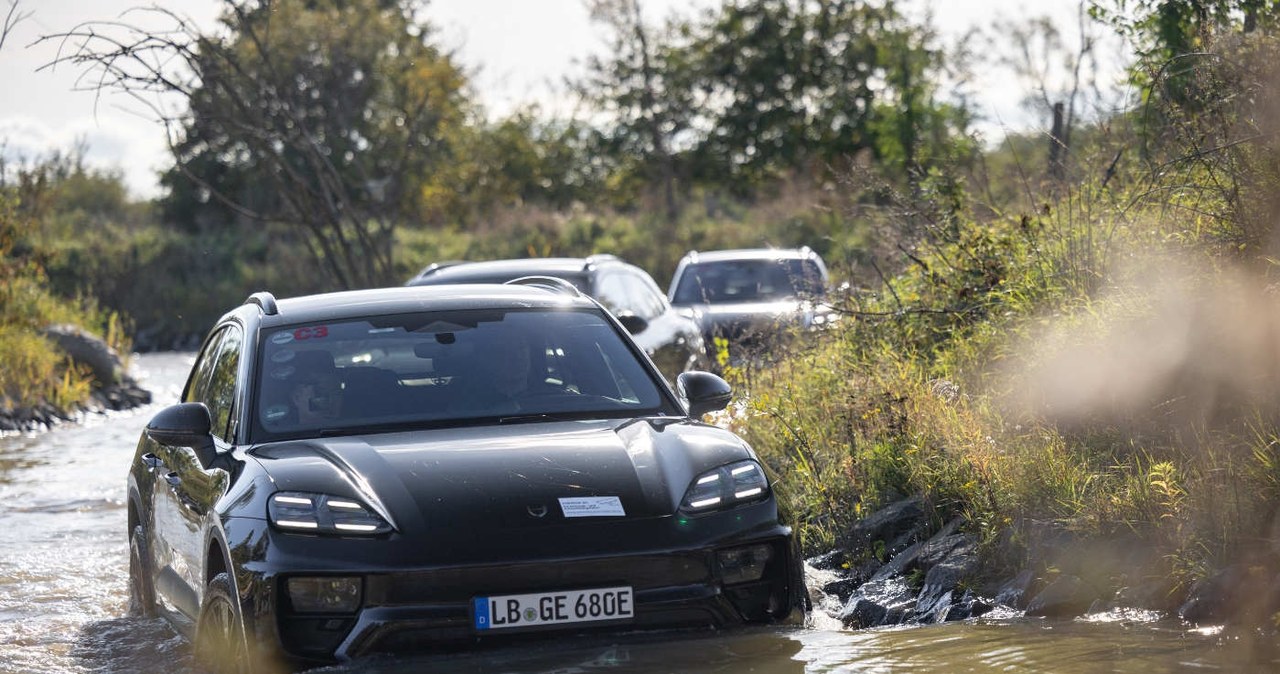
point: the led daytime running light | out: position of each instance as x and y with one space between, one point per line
301 512
726 487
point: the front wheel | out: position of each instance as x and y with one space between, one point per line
142 595
220 645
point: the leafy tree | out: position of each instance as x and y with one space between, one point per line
756 90
1169 35
328 115
810 84
522 159
642 87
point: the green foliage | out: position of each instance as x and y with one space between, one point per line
756 91
35 371
332 116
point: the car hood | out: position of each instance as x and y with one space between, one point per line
513 476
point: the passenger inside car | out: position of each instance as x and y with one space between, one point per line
314 391
505 372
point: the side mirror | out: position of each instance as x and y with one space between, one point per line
633 323
184 425
704 391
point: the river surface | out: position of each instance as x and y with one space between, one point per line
63 597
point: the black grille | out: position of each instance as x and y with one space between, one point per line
461 584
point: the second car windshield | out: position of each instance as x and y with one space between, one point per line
747 281
449 366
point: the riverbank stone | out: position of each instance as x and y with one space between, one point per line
113 388
889 601
1065 597
1016 592
888 525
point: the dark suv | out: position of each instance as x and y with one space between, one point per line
747 297
671 338
393 469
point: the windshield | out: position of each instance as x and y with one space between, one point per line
748 281
422 369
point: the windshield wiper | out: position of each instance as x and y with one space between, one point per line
553 416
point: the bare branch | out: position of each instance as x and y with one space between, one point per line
11 19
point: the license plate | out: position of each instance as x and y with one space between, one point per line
541 609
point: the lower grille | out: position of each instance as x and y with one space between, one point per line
461 584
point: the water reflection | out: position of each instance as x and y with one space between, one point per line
766 650
1029 645
63 596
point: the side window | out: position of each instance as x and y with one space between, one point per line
650 303
221 397
214 383
612 292
198 387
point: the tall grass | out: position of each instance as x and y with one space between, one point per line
35 372
988 375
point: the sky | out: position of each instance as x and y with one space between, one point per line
518 51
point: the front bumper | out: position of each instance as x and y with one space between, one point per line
416 607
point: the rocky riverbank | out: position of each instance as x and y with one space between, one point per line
113 387
899 567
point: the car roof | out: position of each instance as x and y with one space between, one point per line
459 272
695 257
403 300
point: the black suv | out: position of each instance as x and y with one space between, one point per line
386 470
671 338
748 297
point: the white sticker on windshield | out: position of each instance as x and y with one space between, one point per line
592 506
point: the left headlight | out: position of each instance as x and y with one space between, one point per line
726 486
304 512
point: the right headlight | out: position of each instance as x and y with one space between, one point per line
725 487
310 513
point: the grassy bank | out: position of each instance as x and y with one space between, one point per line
1104 362
36 373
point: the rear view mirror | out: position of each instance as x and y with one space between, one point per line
633 323
704 391
184 425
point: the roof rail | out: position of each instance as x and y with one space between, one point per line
437 266
598 258
266 301
549 283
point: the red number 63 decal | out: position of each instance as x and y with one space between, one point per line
307 333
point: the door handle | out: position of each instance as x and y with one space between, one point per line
151 461
173 479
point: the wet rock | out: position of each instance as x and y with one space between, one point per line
888 524
969 606
830 561
933 604
901 563
1239 594
941 546
843 588
1066 597
879 602
935 601
960 563
1015 593
1157 595
88 350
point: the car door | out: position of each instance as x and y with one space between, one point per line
625 289
186 491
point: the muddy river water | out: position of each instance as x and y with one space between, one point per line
63 597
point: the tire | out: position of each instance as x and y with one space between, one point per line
142 594
220 647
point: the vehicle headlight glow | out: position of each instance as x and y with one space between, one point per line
726 486
304 512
